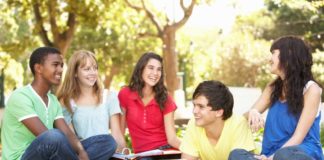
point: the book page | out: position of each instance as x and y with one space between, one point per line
150 153
167 152
142 154
155 152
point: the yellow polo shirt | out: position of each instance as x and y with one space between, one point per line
236 134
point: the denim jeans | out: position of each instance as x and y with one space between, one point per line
287 153
52 145
100 147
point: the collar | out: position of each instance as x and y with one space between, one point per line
135 96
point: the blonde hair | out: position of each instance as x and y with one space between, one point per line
70 88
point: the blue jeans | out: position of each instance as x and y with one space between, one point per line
287 153
52 145
100 147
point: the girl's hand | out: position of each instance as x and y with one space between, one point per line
255 120
120 146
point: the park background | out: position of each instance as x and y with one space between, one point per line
226 40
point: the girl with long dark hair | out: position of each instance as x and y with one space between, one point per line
147 107
292 127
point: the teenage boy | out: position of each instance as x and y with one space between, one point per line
32 113
214 132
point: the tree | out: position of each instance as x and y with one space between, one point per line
167 33
16 43
243 62
56 21
115 41
318 67
13 72
116 50
48 12
304 18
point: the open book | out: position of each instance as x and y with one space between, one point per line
155 152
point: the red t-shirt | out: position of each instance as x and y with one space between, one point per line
145 123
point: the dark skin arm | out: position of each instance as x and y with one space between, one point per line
35 125
74 141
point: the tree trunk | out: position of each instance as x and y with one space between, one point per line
114 69
170 59
167 34
63 44
60 39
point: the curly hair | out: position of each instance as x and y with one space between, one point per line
137 83
296 63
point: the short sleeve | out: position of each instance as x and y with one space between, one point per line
67 116
123 96
188 145
243 137
170 106
21 106
58 109
112 103
59 112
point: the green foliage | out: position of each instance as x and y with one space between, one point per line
13 72
114 32
16 43
116 42
16 36
186 53
284 17
113 35
180 130
257 23
258 137
244 62
302 17
128 140
318 68
239 58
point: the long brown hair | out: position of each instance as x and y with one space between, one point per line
137 82
70 88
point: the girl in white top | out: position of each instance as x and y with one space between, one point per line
89 109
